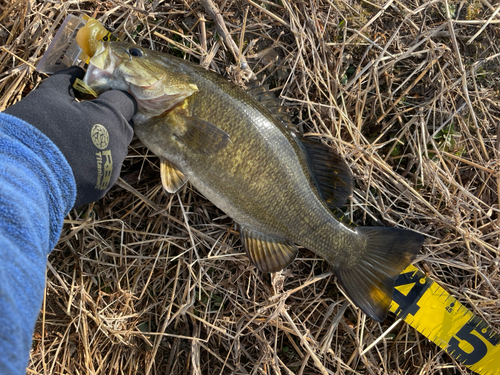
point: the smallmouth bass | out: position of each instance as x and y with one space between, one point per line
277 186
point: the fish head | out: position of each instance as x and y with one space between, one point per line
156 82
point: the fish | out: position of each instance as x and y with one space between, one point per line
241 152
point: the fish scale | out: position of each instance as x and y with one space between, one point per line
244 167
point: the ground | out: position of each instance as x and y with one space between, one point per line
407 92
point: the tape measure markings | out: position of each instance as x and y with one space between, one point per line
432 311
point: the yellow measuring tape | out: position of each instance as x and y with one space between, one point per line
431 310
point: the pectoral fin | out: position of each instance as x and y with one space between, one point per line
199 135
172 178
267 253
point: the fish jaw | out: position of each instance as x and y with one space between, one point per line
156 88
101 75
154 105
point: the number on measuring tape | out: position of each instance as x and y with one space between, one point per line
469 333
407 304
431 310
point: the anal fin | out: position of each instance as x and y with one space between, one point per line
267 253
172 177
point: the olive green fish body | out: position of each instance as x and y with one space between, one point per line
259 179
239 155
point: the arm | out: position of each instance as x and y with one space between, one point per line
37 190
55 153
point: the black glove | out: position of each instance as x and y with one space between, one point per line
92 135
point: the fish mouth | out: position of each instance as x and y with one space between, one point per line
97 78
111 68
156 90
100 75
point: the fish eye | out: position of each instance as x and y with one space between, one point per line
136 52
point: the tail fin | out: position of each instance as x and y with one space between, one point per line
369 284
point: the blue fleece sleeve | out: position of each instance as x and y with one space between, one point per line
37 190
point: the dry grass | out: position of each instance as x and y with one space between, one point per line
408 91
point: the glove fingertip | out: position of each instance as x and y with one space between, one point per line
62 81
122 101
73 72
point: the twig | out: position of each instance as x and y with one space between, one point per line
488 21
215 14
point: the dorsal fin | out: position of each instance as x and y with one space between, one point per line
267 98
329 172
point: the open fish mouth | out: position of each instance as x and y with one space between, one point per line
101 73
98 79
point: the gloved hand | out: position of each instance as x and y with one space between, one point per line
92 135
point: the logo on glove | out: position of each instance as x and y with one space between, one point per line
100 138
